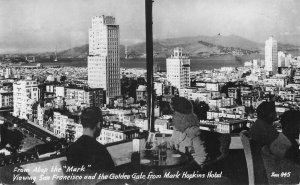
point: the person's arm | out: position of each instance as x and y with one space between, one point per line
199 154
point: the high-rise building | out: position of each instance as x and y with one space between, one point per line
281 59
178 69
104 58
271 55
25 94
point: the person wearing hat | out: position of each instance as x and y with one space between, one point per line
186 133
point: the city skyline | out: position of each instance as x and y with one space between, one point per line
47 108
37 26
185 111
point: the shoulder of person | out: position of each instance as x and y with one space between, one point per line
280 145
72 147
176 133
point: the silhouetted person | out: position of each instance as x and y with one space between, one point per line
290 121
87 150
263 130
263 133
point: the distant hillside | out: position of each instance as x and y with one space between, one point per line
81 52
293 39
205 46
77 52
287 47
198 46
219 40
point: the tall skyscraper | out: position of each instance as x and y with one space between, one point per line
178 69
271 55
104 58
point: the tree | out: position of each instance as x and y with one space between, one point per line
49 113
14 139
167 90
142 102
224 89
124 85
193 83
239 97
132 88
141 81
278 99
63 78
251 109
70 135
34 110
246 74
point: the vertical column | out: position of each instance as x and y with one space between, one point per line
149 60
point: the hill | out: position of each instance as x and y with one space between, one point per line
77 52
198 46
203 46
81 52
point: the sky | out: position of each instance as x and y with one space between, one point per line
43 25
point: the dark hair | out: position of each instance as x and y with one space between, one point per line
182 105
265 109
290 119
91 116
